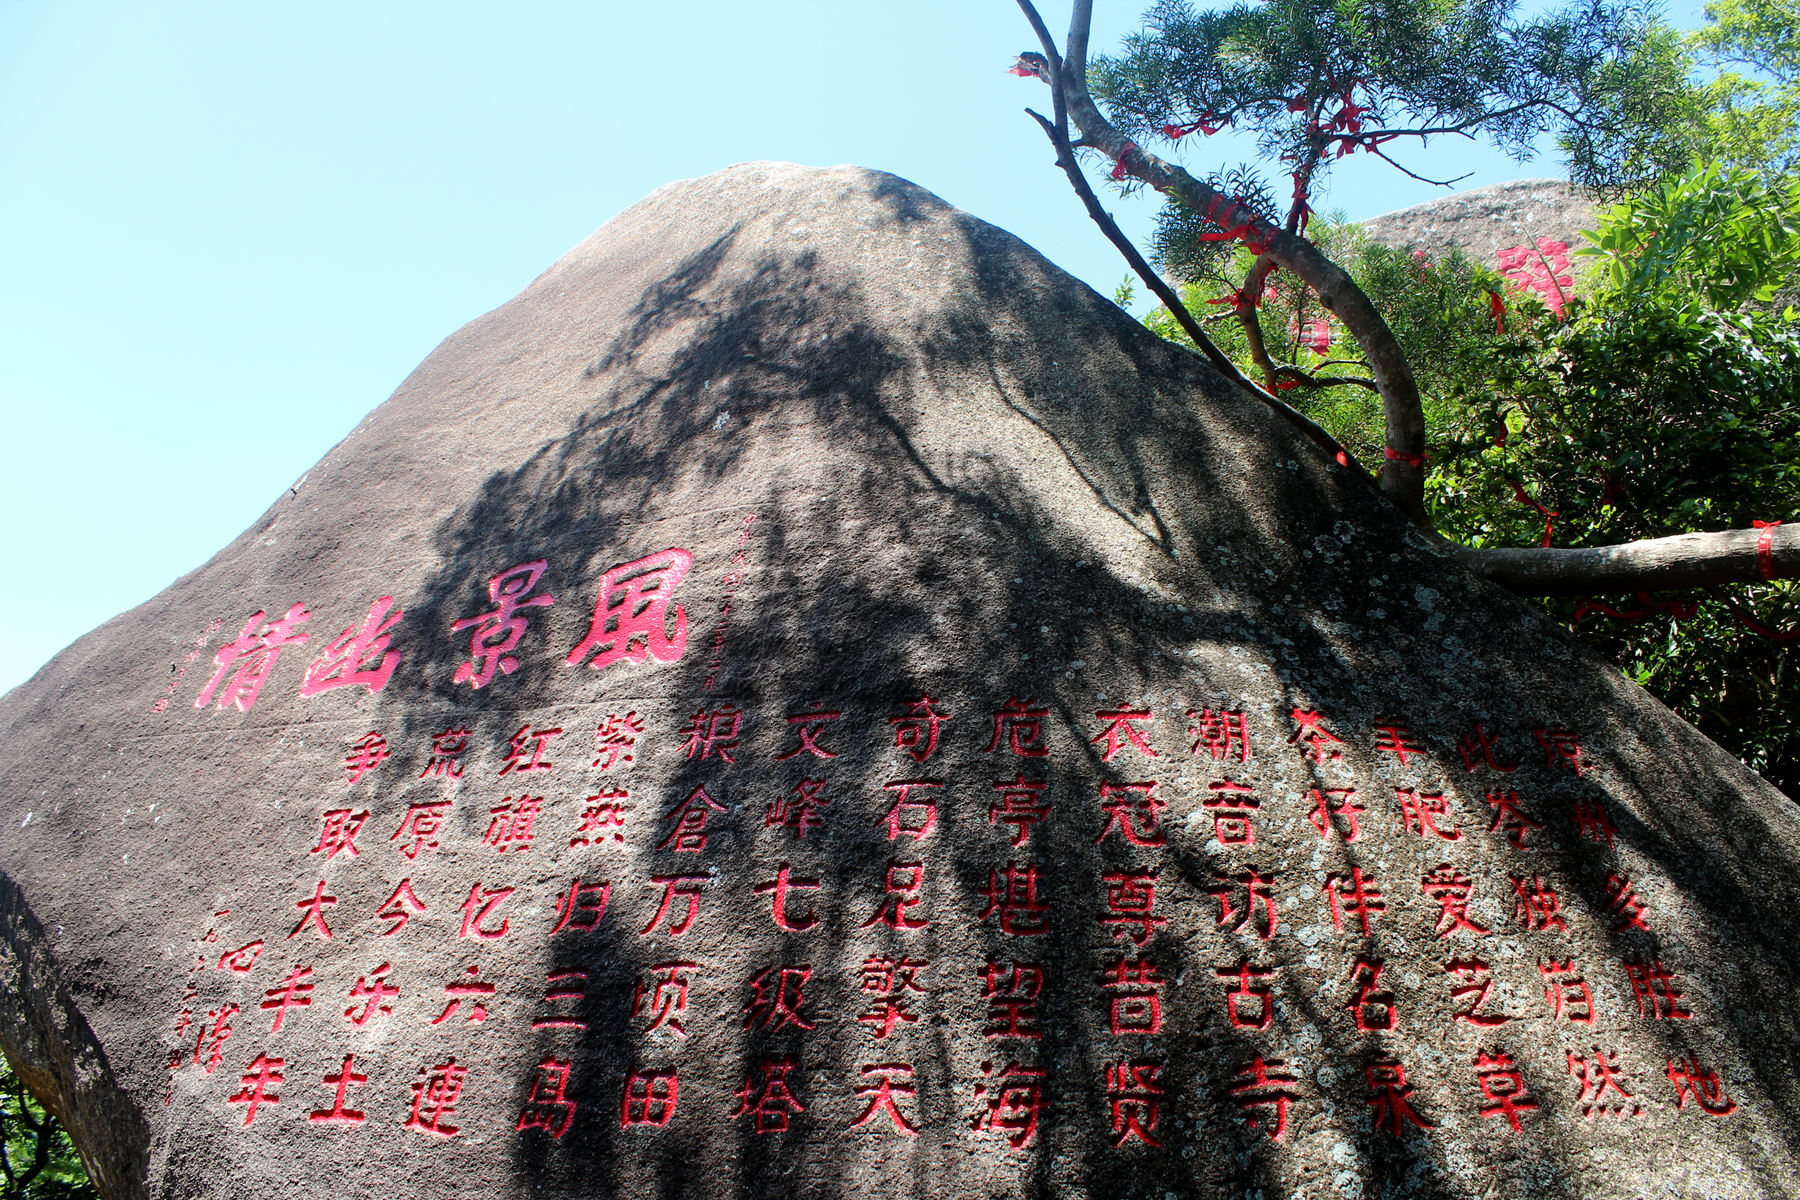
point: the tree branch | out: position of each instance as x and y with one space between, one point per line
1403 473
1656 564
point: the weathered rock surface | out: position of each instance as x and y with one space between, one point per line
268 937
1486 220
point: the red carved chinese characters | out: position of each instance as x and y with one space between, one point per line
1560 745
1011 992
771 1101
1509 818
1014 897
1700 1086
665 1000
375 991
1259 894
1390 1098
346 1078
1358 896
1013 1099
242 959
473 989
292 992
578 902
602 818
548 1106
570 985
1219 734
1591 820
337 833
251 658
1135 1094
614 738
512 824
1242 975
777 890
916 730
263 1072
1132 809
1502 1085
801 809
688 833
1312 738
902 883
889 1081
1022 727
1266 1085
890 979
808 728
421 823
649 1099
1121 731
1021 805
1232 808
1536 906
1397 740
777 998
1653 986
496 634
1449 889
447 750
1477 980
1131 901
359 656
1477 747
1370 1008
1594 1076
1566 992
1134 996
631 617
1335 802
395 908
907 815
476 909
688 888
366 753
1419 812
435 1095
315 906
711 732
528 738
1622 900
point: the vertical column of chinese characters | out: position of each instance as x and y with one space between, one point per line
1010 1096
1131 987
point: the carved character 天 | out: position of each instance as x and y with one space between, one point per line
888 1083
497 634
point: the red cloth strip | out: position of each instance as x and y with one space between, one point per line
1416 461
1765 548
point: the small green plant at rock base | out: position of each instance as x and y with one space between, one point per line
37 1159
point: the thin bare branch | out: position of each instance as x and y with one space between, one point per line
1656 564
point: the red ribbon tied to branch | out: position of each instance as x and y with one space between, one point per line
1681 610
1497 306
1522 498
1415 461
1208 124
1118 171
1765 548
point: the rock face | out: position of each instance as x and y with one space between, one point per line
1487 220
809 700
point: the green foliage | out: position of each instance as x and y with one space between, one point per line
37 1159
1714 238
1752 120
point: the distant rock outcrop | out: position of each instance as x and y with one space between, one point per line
1486 220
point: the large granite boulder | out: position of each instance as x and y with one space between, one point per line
1485 222
809 700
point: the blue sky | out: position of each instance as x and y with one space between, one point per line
229 230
